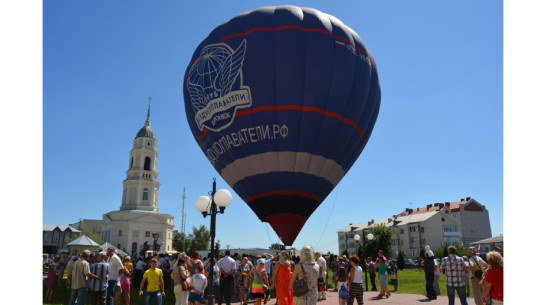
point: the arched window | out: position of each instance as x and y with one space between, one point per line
145 194
131 166
147 162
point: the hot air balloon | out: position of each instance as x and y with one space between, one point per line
282 101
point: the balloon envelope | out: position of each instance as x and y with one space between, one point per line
282 101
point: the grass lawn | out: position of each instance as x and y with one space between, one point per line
409 281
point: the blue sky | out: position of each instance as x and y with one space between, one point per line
438 137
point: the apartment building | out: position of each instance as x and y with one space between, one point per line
462 222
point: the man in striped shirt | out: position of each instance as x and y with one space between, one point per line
98 287
453 267
80 271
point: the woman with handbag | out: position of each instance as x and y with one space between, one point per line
281 279
243 271
394 274
180 275
304 280
260 283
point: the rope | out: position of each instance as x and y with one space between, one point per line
328 220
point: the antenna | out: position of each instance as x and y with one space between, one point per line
183 220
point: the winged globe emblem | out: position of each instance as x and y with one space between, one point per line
215 85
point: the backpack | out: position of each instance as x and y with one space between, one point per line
343 293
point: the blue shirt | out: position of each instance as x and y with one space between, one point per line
99 269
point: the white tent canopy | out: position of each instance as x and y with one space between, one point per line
83 241
107 245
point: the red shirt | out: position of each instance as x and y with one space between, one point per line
494 276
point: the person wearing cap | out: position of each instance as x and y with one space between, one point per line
429 267
477 264
227 268
98 287
80 270
115 267
258 281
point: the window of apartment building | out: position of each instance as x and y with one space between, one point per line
119 246
120 233
422 229
56 236
402 242
423 242
401 231
455 215
66 236
452 239
451 228
147 234
47 236
413 228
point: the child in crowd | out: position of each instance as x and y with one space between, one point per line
343 292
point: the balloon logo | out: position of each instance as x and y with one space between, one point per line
282 101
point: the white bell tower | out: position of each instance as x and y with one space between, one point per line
141 188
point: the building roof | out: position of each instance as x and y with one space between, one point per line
83 241
453 207
146 131
61 227
490 240
399 220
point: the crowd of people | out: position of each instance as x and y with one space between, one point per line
107 278
486 277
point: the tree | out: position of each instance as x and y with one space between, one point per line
442 250
345 253
382 240
400 260
200 239
276 246
178 242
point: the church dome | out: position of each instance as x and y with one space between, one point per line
146 132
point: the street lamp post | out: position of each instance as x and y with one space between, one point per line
357 238
207 205
155 236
